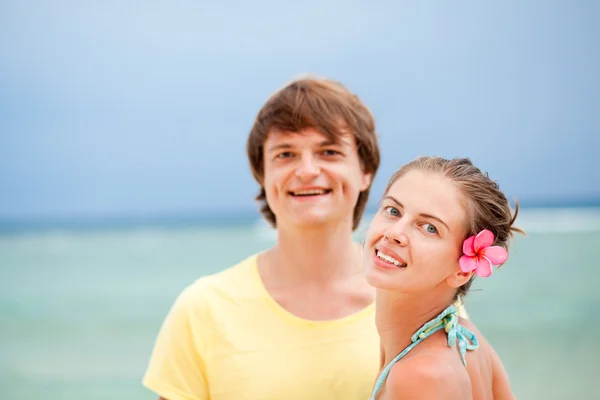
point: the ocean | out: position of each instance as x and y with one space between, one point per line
80 308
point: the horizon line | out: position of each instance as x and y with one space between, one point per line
212 217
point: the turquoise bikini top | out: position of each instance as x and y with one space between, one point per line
447 320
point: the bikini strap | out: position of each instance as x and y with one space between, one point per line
447 320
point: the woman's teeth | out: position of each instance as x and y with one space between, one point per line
390 259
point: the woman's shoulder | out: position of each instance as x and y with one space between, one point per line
429 375
485 368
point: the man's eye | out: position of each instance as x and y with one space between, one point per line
285 154
330 152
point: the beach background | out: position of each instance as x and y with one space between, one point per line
124 177
80 308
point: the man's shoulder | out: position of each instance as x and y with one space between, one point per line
238 272
236 279
204 304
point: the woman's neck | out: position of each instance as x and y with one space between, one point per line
399 316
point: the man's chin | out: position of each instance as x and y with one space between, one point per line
314 220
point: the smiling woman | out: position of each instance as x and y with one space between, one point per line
432 234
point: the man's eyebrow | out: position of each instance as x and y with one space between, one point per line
329 142
392 198
279 147
324 143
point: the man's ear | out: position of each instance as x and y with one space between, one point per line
366 181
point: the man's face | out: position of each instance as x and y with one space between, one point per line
309 180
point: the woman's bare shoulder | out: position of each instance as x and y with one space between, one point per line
428 375
500 382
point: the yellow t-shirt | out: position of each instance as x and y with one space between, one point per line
225 338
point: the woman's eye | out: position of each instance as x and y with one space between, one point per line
330 152
392 211
430 228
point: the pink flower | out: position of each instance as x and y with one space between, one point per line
480 255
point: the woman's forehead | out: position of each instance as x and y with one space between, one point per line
430 193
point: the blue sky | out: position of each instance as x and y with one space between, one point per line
120 109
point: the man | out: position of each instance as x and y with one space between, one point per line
297 320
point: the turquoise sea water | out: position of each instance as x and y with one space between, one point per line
79 310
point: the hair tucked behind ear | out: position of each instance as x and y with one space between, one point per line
487 206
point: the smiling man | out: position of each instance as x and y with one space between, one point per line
297 320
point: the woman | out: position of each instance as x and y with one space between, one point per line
441 222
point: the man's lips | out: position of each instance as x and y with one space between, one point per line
311 191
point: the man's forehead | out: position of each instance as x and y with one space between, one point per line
308 136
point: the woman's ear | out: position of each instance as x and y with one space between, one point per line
459 278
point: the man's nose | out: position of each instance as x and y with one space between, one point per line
308 167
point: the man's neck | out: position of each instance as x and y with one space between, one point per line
319 255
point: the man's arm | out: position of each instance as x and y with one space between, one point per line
176 370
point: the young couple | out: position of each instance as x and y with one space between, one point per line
319 316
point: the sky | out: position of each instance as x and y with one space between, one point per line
117 108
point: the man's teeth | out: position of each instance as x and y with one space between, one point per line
310 192
389 259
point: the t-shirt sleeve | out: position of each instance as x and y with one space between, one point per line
176 370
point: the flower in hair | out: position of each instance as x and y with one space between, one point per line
480 255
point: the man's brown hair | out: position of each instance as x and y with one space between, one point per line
329 108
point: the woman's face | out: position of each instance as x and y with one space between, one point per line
415 240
